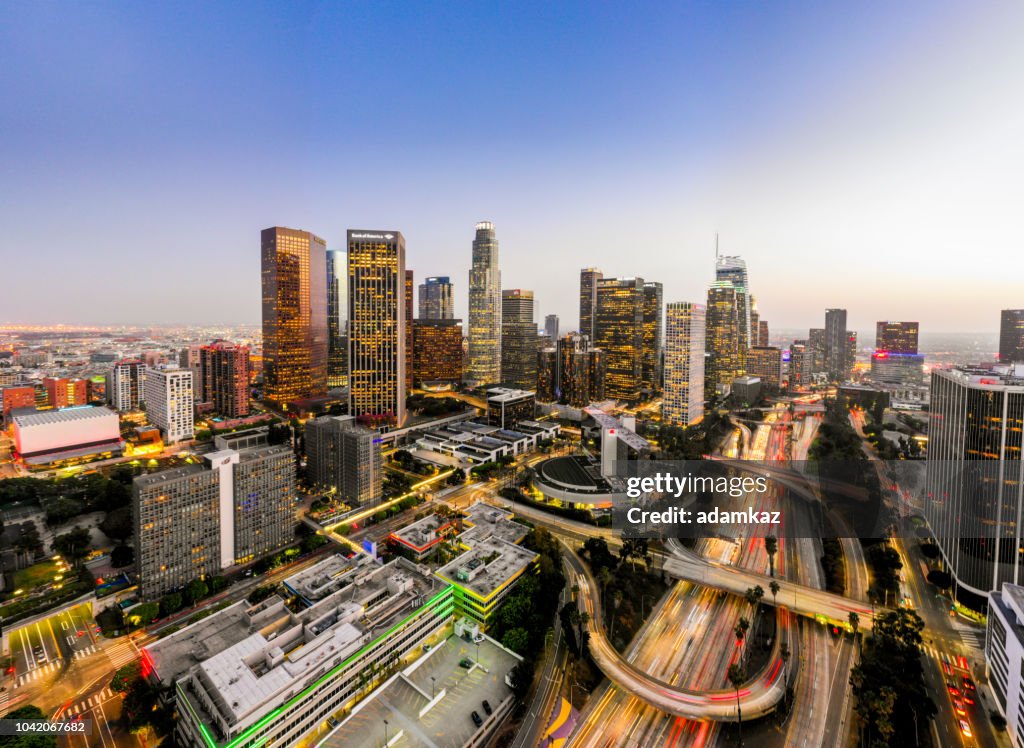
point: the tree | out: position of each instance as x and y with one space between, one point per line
170 603
784 654
117 524
737 677
124 676
121 556
855 627
73 545
144 614
196 590
517 639
771 547
774 587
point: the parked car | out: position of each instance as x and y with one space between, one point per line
487 708
476 719
466 663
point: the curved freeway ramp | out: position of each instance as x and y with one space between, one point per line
757 697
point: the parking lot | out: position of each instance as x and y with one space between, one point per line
449 723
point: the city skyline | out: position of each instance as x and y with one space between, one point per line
856 156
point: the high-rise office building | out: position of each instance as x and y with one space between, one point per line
484 308
817 362
337 318
518 339
197 520
410 290
973 498
169 403
762 332
547 374
437 298
345 458
588 298
685 329
800 363
437 350
619 332
377 325
652 353
62 392
837 345
224 377
189 358
1011 336
765 362
755 324
295 336
124 384
551 327
581 371
726 356
734 270
896 337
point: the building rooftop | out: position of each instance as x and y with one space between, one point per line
323 578
423 533
486 521
505 394
250 659
66 415
488 566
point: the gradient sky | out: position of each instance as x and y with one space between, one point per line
863 155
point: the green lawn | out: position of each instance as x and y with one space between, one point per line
35 575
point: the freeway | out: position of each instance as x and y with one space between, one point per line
758 697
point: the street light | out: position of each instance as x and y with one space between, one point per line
433 681
385 734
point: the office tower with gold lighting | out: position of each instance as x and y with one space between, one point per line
410 290
484 308
619 332
294 275
685 327
896 337
652 353
437 298
547 374
337 318
437 350
765 362
588 297
377 325
518 339
581 371
725 352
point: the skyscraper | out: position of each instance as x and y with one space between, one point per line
836 345
755 324
436 298
734 270
896 337
224 374
344 457
588 297
725 354
337 318
581 371
377 306
652 336
973 497
518 339
168 398
551 327
410 290
294 273
683 403
1011 336
437 350
765 362
124 384
484 308
619 332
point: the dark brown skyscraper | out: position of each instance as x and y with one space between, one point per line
1011 336
294 270
896 337
225 377
588 296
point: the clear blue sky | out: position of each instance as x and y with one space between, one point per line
866 155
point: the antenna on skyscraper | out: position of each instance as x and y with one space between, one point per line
716 247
